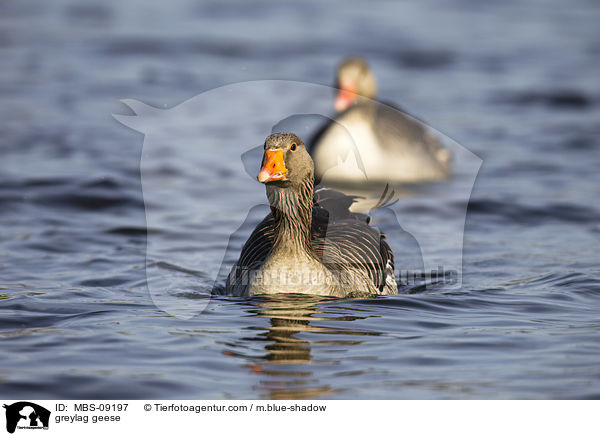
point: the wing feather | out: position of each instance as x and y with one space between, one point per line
342 240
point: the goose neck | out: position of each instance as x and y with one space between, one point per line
292 210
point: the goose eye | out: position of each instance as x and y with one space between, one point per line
293 146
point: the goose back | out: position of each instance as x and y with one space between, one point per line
384 143
355 256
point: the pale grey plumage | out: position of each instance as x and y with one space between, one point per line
390 146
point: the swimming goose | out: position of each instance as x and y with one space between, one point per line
386 144
303 246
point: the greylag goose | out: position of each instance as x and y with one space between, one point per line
379 139
310 242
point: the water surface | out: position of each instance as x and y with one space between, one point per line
514 83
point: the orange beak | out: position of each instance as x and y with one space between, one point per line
345 98
273 167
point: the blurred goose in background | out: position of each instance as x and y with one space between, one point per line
310 242
373 142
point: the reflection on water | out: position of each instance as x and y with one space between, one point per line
286 348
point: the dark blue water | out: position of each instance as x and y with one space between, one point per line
513 82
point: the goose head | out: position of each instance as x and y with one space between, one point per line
286 162
354 79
